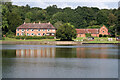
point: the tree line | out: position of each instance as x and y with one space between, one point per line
80 17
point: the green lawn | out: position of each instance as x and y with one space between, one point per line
13 39
96 40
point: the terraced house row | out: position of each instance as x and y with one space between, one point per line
42 29
36 29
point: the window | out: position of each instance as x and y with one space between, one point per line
48 29
38 29
32 29
17 29
43 29
43 34
53 29
47 34
52 33
27 29
22 34
103 31
22 29
39 34
32 33
17 34
28 34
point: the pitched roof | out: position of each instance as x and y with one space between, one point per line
36 25
83 31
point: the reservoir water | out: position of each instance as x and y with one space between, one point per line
60 61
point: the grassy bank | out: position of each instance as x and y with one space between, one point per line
80 39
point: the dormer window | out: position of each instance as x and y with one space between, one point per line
48 29
32 29
38 29
22 29
53 29
27 29
43 29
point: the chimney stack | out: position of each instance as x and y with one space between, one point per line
34 23
39 22
48 22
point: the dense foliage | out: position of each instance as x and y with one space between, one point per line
66 32
80 17
34 37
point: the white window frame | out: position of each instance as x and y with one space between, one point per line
43 29
32 29
32 33
53 29
39 29
48 29
27 29
17 34
38 34
22 29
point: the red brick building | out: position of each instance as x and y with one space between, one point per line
94 32
38 29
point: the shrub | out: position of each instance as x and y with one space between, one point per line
85 39
3 38
88 35
49 37
18 37
34 37
100 35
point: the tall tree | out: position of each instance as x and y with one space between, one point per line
66 32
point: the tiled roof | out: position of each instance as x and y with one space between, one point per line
83 31
36 25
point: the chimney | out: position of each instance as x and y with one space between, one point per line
48 22
34 23
39 22
24 22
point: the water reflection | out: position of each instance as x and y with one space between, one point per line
47 52
42 52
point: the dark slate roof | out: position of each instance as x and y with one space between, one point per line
36 25
83 31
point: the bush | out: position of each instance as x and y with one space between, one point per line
88 35
34 37
85 39
49 37
3 38
100 35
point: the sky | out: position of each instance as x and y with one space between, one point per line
102 4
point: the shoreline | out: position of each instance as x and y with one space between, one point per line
51 42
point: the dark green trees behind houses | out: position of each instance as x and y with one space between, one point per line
66 32
81 17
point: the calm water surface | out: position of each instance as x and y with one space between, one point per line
57 61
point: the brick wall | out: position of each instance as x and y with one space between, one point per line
103 30
34 32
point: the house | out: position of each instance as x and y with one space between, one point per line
38 29
94 32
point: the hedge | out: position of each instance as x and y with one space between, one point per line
34 37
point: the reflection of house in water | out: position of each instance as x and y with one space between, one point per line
92 53
41 52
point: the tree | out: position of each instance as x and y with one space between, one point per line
58 24
66 32
14 21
